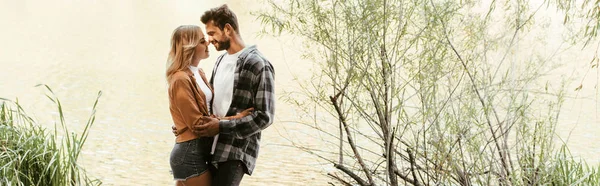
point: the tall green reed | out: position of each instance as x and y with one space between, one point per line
32 155
565 170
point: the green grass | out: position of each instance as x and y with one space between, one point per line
33 155
568 171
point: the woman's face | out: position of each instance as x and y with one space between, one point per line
201 49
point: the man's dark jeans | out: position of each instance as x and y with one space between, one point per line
230 173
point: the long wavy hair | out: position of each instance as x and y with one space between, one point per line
183 43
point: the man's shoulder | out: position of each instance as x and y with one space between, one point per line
256 60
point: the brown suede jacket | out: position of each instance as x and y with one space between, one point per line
187 103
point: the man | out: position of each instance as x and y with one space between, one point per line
242 78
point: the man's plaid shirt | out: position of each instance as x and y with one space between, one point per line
253 86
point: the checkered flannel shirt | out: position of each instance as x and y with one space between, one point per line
253 86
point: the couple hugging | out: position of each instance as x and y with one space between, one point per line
217 122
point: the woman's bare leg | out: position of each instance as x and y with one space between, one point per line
203 179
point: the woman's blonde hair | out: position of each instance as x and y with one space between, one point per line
183 43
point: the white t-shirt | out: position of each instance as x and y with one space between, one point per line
223 84
202 85
223 87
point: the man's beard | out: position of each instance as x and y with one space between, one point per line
224 45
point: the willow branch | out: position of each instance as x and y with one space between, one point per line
341 118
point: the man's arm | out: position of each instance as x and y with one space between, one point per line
264 106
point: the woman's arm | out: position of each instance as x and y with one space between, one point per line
185 102
239 115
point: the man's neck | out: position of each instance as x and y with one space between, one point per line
237 44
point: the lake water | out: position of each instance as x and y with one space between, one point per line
120 47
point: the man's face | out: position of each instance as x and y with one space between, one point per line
217 37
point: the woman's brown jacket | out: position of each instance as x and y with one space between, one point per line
187 103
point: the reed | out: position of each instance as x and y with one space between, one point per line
33 155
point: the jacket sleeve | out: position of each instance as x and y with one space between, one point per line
185 102
264 106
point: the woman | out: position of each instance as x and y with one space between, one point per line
189 95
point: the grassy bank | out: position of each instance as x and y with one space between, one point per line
33 155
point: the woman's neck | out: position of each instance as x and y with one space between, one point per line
195 64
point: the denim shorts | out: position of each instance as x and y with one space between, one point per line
190 158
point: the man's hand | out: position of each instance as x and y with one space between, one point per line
174 130
208 128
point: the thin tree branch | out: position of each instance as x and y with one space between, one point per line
351 174
339 179
351 142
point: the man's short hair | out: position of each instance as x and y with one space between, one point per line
221 16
